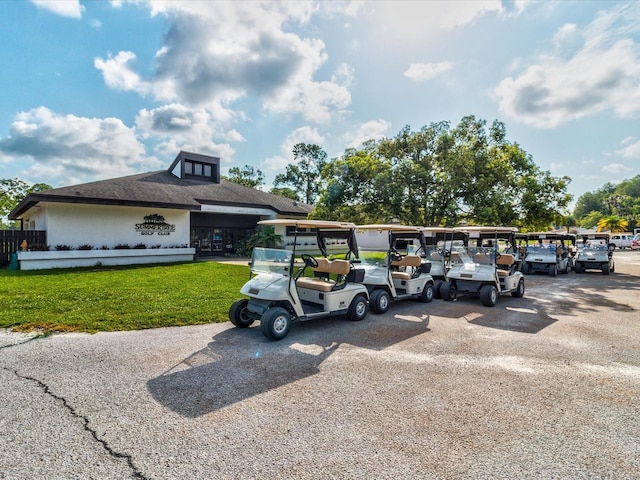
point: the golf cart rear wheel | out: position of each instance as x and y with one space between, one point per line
448 291
428 293
275 323
239 315
379 301
488 295
358 308
519 292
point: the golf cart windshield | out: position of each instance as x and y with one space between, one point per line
541 248
271 260
479 255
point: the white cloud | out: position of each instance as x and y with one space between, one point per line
67 149
372 130
616 168
216 53
178 127
601 75
631 150
67 8
305 134
420 72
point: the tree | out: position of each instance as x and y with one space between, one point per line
264 236
12 192
304 175
612 223
248 176
285 192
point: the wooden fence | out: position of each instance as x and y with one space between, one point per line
10 241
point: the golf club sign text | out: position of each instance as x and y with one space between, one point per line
155 224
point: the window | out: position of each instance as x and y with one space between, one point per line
194 169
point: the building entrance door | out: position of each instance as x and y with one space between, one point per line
207 241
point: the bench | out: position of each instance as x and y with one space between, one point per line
336 267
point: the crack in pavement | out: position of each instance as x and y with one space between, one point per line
30 339
45 388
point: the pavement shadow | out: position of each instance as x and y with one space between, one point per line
241 363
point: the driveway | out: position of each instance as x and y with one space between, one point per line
546 386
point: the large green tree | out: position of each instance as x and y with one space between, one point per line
248 176
12 192
304 175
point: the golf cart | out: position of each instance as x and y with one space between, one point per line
483 270
392 265
439 243
281 291
595 253
548 252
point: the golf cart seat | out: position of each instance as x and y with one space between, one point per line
406 261
504 263
482 258
338 267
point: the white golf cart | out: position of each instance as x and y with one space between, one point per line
439 243
595 253
392 265
280 292
483 271
548 252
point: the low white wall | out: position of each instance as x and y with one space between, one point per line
108 225
92 258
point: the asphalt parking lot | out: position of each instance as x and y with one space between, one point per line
545 387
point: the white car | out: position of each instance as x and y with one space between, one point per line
621 240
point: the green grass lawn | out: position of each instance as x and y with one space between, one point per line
119 298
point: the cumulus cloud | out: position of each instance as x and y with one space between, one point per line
304 134
68 8
372 130
66 149
177 127
218 52
420 72
632 150
591 71
616 168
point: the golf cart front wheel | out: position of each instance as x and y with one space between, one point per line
448 291
428 293
488 295
519 292
553 271
579 268
239 315
606 269
275 323
379 301
436 287
358 308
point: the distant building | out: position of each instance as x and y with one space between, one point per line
186 205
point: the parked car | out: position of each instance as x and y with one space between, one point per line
620 240
635 243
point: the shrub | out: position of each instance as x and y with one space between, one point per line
63 247
140 246
122 246
85 247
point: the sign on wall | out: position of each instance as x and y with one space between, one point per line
155 224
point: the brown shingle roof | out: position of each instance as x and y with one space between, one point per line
162 189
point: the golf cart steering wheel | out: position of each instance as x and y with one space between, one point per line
395 256
309 261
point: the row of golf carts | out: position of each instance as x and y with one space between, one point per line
338 268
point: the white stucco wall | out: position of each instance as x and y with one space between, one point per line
98 225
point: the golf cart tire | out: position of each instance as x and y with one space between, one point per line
525 268
428 293
519 291
275 323
436 288
488 295
606 270
565 271
448 291
613 267
578 268
238 314
553 271
358 308
380 301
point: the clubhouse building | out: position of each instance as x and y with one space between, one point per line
187 205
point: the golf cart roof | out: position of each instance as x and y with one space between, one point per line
546 236
304 223
392 227
478 230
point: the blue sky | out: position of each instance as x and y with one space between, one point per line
94 90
